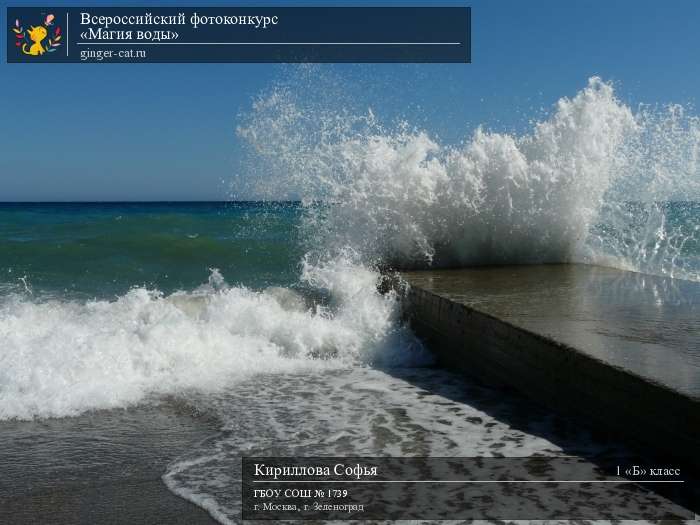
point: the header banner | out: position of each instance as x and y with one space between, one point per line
41 35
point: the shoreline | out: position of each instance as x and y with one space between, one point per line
106 466
100 467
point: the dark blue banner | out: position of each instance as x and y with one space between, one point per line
238 34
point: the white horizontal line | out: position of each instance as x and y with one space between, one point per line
269 43
470 481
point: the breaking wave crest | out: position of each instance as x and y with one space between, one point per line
592 183
596 182
61 358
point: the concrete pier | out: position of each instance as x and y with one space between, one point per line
619 348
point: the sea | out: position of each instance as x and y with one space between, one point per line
267 315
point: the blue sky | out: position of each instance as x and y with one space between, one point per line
167 132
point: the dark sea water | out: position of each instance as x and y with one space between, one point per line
204 305
266 316
103 249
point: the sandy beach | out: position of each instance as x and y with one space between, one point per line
246 247
101 467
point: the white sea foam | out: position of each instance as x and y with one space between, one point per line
362 412
400 196
61 358
393 196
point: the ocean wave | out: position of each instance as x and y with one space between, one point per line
373 198
556 194
61 358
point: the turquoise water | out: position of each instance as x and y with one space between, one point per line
661 238
198 305
268 315
101 250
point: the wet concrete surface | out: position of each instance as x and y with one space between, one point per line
619 347
647 325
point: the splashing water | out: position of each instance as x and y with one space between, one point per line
596 182
561 193
102 354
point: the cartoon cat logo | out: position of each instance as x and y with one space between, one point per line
36 35
31 41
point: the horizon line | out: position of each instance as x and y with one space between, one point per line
164 201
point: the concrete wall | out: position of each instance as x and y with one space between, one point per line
463 338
